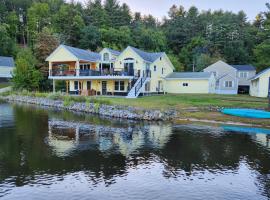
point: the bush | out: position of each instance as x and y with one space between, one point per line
67 101
55 96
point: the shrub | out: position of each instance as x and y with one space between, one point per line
55 96
41 95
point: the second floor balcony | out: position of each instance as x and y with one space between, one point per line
89 72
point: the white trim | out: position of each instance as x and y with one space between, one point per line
91 77
228 81
259 75
187 78
48 59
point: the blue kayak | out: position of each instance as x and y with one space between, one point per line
247 113
250 130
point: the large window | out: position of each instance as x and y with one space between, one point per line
243 74
228 84
119 86
106 57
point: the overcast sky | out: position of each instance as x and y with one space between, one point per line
160 8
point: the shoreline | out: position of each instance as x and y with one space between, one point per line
132 113
114 111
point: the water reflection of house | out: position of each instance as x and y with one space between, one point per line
65 139
262 139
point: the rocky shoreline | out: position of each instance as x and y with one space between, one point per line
115 111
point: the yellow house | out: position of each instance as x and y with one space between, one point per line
260 84
128 73
190 83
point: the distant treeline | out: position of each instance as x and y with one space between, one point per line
190 37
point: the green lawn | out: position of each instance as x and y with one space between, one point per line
3 85
183 101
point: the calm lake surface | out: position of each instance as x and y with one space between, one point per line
48 154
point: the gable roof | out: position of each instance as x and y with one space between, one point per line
260 74
6 62
82 54
114 52
244 67
219 64
224 75
146 56
189 75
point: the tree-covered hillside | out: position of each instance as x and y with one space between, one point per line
190 37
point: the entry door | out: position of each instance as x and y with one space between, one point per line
104 87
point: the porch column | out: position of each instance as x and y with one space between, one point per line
50 68
67 87
77 67
53 86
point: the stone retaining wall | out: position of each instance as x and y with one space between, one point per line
95 108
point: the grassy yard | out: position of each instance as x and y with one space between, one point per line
3 85
196 106
187 101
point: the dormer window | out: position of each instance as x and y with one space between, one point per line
106 57
243 74
160 58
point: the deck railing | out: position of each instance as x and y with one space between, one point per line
89 72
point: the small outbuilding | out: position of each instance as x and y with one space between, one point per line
260 84
6 67
190 83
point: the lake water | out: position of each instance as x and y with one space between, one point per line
62 155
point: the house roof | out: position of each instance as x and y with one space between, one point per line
82 54
244 67
259 74
6 62
149 57
114 52
189 75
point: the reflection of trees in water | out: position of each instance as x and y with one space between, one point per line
106 153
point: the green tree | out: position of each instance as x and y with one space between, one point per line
68 23
116 38
90 38
38 17
26 76
95 14
46 43
7 44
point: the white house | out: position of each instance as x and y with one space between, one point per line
6 67
260 84
231 79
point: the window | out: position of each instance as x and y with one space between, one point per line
185 84
88 85
119 85
106 57
76 85
228 84
162 71
160 58
155 68
243 74
84 66
215 74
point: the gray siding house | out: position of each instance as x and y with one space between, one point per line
6 67
231 79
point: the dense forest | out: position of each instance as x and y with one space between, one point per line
192 38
